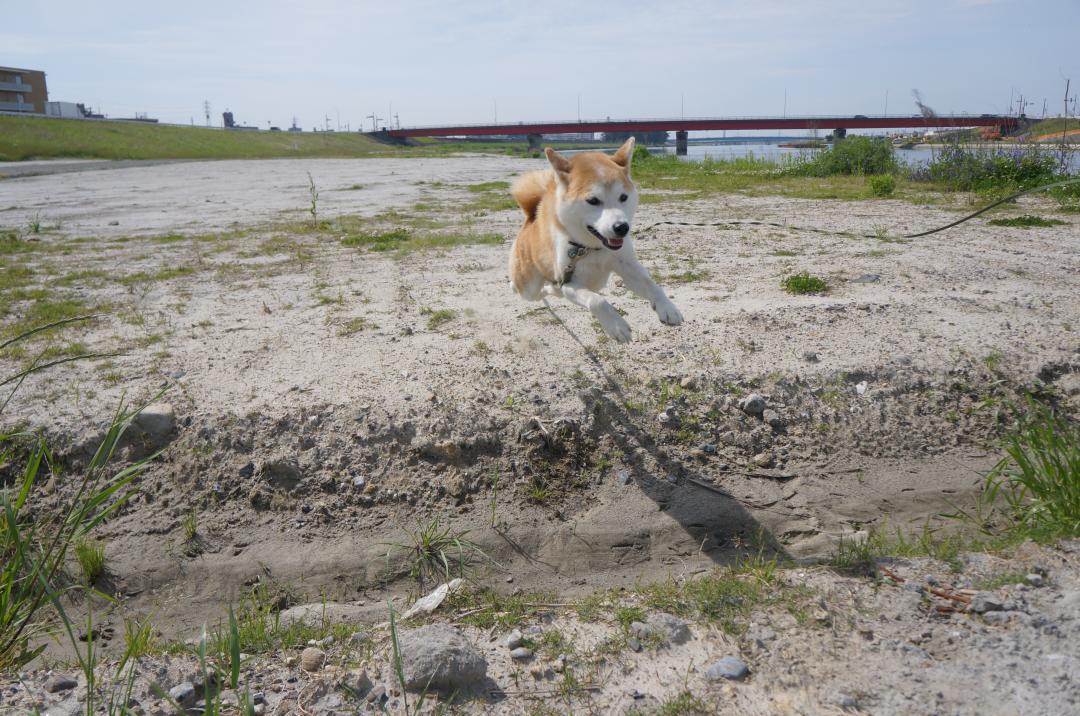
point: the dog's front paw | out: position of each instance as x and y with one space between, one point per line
668 313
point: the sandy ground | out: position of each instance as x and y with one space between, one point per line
321 409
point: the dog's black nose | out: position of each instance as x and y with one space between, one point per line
622 228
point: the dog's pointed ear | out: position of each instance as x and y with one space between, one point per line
559 163
625 154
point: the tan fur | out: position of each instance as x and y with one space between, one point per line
532 258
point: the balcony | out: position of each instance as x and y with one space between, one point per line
16 107
15 87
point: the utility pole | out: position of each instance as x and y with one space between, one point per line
397 121
206 109
372 118
1064 127
326 120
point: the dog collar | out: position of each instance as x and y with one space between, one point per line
575 252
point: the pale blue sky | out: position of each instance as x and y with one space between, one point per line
436 62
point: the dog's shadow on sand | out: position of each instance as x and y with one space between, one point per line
718 522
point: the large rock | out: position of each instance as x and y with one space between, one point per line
318 613
440 657
156 420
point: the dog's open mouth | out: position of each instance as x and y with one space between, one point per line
614 244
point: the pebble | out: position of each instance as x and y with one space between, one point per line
844 700
641 630
772 418
985 602
634 644
1035 579
521 653
729 667
377 694
623 477
997 617
689 383
674 629
753 404
312 659
514 639
764 459
559 665
183 694
667 417
810 356
60 682
708 448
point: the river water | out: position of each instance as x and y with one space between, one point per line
773 152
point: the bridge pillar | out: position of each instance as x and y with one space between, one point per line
839 133
535 140
681 138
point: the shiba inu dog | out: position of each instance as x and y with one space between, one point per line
577 233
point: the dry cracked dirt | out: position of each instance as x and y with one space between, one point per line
327 383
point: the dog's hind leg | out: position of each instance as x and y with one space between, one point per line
532 289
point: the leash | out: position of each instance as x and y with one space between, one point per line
754 222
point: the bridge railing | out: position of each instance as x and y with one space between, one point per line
643 120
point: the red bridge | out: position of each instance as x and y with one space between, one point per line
535 130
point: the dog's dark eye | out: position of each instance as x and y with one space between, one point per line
623 197
593 200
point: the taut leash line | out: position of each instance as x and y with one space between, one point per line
753 222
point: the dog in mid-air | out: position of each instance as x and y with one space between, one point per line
577 233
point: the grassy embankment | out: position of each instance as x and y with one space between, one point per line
24 138
1051 129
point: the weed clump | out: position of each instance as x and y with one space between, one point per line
804 283
1039 477
883 185
1026 221
437 318
859 156
996 171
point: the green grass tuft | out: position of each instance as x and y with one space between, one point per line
437 318
1039 477
804 283
91 557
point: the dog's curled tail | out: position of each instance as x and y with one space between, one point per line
529 189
